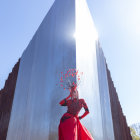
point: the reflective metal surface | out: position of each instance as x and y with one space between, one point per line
86 61
36 111
107 122
93 88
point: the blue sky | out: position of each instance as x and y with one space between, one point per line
118 26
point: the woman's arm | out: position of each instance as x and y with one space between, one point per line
86 109
64 100
81 117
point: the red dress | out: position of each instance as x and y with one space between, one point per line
70 128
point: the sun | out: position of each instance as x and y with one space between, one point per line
74 35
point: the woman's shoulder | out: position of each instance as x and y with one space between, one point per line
81 100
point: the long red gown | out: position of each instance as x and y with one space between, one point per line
70 128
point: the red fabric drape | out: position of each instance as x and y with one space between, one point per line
70 128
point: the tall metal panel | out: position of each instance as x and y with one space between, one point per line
86 62
36 112
93 87
107 122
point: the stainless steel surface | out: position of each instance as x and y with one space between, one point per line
93 88
86 61
107 123
36 112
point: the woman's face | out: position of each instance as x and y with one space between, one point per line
74 93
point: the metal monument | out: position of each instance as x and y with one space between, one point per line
66 39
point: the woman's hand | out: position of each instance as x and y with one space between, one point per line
79 117
64 100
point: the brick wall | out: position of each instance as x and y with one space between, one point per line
6 100
121 129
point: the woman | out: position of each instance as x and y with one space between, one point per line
70 127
